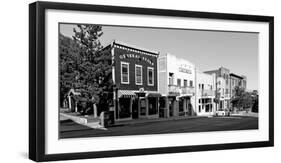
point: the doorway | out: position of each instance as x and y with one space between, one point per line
135 109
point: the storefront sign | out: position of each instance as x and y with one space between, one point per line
136 56
184 70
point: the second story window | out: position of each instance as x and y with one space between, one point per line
124 73
191 83
138 73
150 76
171 78
185 83
179 82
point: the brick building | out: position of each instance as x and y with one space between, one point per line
135 77
225 84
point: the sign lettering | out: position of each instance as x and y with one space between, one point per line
136 56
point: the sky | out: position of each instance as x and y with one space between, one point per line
208 50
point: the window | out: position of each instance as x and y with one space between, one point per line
191 83
239 83
199 108
185 83
179 82
171 78
150 76
124 73
138 74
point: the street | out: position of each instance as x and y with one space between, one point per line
69 129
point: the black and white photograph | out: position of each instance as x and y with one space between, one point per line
129 80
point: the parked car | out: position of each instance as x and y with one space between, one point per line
223 113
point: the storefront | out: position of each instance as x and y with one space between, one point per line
134 104
176 84
153 105
134 74
205 106
124 107
185 106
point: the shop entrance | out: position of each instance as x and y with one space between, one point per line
171 106
124 110
162 107
142 107
135 109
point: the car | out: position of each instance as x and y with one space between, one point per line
223 113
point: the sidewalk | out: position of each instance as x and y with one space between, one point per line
88 121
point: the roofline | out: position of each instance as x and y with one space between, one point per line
135 47
179 58
210 71
237 76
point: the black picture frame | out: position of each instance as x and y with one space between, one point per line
37 80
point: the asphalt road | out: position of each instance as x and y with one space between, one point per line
69 129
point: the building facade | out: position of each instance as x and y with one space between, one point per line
177 86
237 81
222 87
205 94
225 85
134 74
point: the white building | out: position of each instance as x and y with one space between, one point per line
205 93
176 83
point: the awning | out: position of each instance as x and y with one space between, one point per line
154 95
173 94
126 94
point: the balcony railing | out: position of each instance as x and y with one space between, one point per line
207 92
187 90
174 89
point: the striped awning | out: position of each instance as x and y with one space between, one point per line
126 94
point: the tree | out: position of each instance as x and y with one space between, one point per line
68 64
241 98
255 107
95 65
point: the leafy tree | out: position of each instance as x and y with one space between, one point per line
241 98
255 107
68 64
86 66
95 68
